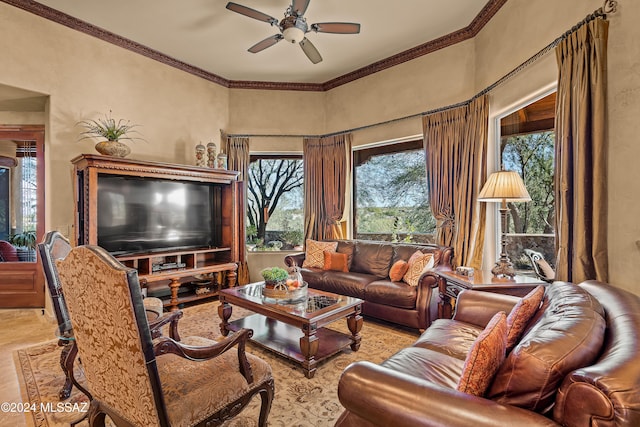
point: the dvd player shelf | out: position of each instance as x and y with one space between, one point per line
155 270
172 270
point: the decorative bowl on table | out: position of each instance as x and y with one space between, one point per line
284 285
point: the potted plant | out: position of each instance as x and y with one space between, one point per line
114 131
274 276
25 243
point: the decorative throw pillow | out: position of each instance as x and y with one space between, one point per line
314 253
398 269
485 357
336 261
520 315
418 264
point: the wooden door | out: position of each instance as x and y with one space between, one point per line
21 215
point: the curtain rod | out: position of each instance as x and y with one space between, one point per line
609 6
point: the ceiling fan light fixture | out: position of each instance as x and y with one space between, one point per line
293 34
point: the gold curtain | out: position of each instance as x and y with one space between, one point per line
237 150
455 142
581 154
326 172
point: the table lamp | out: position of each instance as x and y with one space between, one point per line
503 187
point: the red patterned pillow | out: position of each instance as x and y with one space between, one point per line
418 263
314 253
336 261
485 357
520 315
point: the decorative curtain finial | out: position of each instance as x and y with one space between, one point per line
610 6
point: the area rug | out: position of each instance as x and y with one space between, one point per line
298 401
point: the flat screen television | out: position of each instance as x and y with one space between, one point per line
142 215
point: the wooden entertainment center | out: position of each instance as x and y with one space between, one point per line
169 269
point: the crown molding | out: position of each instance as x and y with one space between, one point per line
485 15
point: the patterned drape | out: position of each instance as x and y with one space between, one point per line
326 172
455 142
237 150
581 154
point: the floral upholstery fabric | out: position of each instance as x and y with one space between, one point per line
154 307
314 253
109 343
418 263
485 357
195 390
520 315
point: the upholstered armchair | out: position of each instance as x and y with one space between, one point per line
55 247
8 252
136 380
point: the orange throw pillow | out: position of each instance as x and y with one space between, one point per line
485 357
336 261
314 253
520 315
398 269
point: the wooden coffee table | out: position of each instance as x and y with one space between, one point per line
294 330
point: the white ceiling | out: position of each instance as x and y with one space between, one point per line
204 34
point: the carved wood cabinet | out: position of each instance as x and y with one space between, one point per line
169 273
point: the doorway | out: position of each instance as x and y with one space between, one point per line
21 215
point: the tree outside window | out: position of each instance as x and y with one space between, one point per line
391 198
275 203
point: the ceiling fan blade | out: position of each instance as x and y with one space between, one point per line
251 13
300 6
336 27
268 42
310 50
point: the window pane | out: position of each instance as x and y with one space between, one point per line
275 203
532 157
527 147
391 198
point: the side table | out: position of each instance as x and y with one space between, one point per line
451 284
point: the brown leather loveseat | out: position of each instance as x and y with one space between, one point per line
577 364
368 279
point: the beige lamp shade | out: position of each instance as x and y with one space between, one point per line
504 186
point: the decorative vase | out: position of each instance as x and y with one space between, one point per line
222 161
200 155
113 148
211 155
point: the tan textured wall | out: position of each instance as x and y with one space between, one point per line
275 112
439 79
86 77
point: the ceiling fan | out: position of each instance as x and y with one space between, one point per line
293 27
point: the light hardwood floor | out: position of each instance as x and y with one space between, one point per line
19 328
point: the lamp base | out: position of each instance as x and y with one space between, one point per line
503 268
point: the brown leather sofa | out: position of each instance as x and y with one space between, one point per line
577 364
368 279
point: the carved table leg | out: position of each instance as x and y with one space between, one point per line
309 347
232 278
444 305
174 285
224 312
354 322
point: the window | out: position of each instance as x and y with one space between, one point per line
275 203
390 193
527 147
